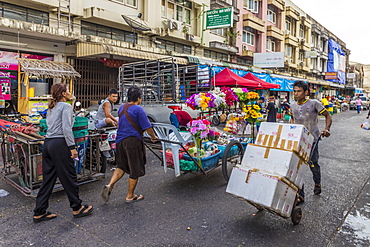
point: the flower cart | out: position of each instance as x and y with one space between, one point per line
204 148
185 145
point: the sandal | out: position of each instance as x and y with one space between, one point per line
106 193
317 189
83 211
46 216
136 199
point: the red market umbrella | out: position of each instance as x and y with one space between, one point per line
228 78
262 84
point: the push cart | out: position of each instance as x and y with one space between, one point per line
22 161
283 204
171 138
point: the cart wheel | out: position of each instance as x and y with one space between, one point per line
296 215
215 120
233 156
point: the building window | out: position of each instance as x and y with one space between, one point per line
301 31
288 50
301 57
24 14
248 35
271 14
271 45
88 28
172 46
179 10
288 25
219 31
251 5
216 55
131 2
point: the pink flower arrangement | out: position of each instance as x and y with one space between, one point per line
230 96
199 128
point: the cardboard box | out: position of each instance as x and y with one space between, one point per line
263 190
283 163
286 136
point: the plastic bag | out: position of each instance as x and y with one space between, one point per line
365 125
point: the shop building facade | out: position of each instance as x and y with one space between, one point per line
95 39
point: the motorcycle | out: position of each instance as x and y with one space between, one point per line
107 145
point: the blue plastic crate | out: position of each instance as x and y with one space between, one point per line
232 152
208 162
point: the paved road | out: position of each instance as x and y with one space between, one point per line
339 217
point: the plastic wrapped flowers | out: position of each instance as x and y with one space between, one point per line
252 113
242 94
204 101
230 97
199 128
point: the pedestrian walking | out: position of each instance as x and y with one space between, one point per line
271 110
130 151
358 105
306 111
285 108
58 153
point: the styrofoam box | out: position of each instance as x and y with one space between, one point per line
283 163
262 189
286 136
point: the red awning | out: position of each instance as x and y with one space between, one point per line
263 84
228 78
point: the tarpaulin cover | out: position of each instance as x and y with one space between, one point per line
337 61
228 78
264 84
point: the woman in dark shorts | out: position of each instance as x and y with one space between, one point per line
130 151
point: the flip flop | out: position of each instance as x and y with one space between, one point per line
44 217
136 199
106 193
82 212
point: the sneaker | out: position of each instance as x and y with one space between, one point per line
317 189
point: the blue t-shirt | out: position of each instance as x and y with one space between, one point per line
125 129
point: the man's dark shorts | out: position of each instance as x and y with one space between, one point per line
130 157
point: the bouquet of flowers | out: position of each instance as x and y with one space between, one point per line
252 96
219 97
202 101
199 129
242 94
230 96
252 113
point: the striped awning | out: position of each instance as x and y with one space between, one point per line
41 68
90 49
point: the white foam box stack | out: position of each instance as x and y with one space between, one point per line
262 189
283 163
286 136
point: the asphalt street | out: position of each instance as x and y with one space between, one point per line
196 211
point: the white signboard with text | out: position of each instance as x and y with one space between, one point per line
269 60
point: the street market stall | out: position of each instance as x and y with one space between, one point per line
203 148
22 142
33 89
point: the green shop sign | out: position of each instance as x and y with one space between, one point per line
219 18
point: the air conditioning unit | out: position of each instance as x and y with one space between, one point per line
245 48
302 40
302 64
287 31
172 25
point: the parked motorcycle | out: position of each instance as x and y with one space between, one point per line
107 146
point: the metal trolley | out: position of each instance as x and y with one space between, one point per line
22 162
171 138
